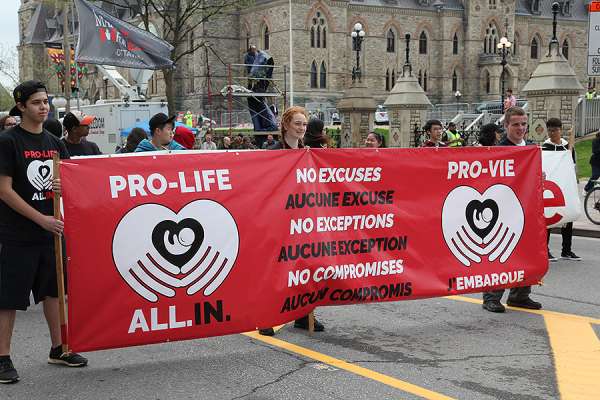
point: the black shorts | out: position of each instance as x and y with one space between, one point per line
25 269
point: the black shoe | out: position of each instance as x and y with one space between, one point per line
302 323
569 255
69 359
267 332
551 257
493 306
8 373
526 303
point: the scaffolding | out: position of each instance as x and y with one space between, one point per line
247 92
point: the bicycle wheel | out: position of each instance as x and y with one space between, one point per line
591 204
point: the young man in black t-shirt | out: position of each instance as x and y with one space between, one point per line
27 224
77 126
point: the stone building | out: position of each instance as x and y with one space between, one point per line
453 46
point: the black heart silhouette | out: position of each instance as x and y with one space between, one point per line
172 229
44 171
474 212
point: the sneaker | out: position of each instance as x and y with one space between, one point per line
8 373
267 332
569 255
551 257
493 306
302 323
526 303
69 359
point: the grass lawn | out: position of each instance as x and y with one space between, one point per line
583 150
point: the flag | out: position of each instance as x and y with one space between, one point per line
106 40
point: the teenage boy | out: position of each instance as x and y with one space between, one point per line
77 126
27 224
555 142
515 124
161 131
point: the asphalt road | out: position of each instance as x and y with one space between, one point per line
437 348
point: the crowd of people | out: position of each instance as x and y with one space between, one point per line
28 225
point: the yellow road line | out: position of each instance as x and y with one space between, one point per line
355 369
574 317
576 351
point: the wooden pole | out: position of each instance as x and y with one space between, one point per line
311 321
58 253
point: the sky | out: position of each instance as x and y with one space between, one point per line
9 29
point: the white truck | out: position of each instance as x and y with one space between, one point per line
113 116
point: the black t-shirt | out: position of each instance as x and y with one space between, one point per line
27 158
84 148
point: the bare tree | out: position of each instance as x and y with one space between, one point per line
9 65
178 19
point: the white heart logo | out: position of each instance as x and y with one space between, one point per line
157 250
488 224
39 174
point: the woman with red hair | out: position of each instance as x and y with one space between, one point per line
293 127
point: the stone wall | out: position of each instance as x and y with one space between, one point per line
230 34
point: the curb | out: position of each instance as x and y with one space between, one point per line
590 233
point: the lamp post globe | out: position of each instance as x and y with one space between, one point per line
503 46
357 35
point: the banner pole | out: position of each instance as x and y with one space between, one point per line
58 254
311 321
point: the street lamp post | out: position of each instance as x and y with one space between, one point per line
358 36
457 96
503 46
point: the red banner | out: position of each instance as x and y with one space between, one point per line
180 246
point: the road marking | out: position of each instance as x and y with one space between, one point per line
355 369
576 351
573 317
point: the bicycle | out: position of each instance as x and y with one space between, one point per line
591 203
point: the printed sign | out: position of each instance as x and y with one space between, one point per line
180 246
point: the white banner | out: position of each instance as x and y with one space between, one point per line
561 197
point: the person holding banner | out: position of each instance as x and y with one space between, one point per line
555 142
515 124
293 128
27 224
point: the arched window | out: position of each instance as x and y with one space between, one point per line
323 76
454 82
565 49
318 27
318 36
391 42
487 82
423 43
420 78
266 38
492 4
515 45
313 75
393 79
491 40
387 80
247 40
534 48
425 81
455 44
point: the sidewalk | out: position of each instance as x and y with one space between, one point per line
583 226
